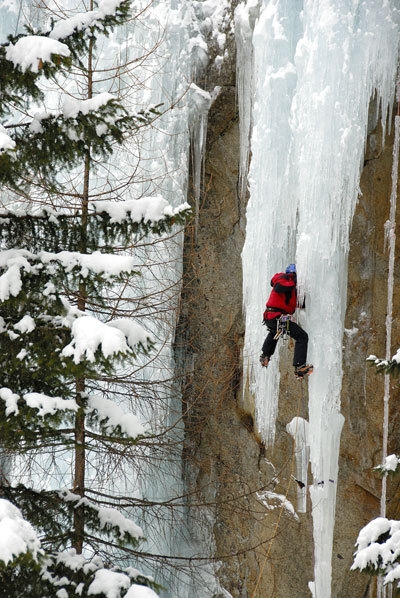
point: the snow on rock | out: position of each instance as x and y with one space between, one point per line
272 500
17 536
148 209
32 50
114 416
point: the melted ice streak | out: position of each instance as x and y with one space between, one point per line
315 67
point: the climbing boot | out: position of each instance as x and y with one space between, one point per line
303 370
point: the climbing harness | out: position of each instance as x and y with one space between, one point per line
282 328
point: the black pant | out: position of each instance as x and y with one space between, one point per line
296 332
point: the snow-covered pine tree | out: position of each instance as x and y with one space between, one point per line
62 258
384 366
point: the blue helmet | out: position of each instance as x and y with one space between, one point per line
291 269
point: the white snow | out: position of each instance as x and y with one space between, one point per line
136 591
108 517
12 261
109 583
10 398
45 404
17 536
90 334
390 463
29 51
81 21
97 262
48 405
373 554
72 106
6 143
273 500
148 209
113 518
27 324
113 416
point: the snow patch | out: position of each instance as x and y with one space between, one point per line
17 536
32 50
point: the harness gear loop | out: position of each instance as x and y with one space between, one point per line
282 328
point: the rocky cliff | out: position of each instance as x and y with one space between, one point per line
263 549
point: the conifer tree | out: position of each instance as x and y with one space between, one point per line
59 340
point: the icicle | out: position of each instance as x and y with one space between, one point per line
200 102
199 135
245 15
298 429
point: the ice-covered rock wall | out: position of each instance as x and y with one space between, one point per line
315 67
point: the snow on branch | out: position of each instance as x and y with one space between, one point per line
83 20
96 262
108 518
17 536
16 261
31 51
44 404
110 583
385 366
147 209
13 261
378 549
6 143
113 338
389 465
72 107
113 417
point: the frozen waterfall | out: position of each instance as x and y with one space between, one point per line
315 67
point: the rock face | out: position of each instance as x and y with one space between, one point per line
268 552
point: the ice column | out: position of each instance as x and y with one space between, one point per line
298 429
316 66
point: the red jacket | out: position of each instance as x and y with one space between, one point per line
283 296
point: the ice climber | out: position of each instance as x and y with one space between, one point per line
281 304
